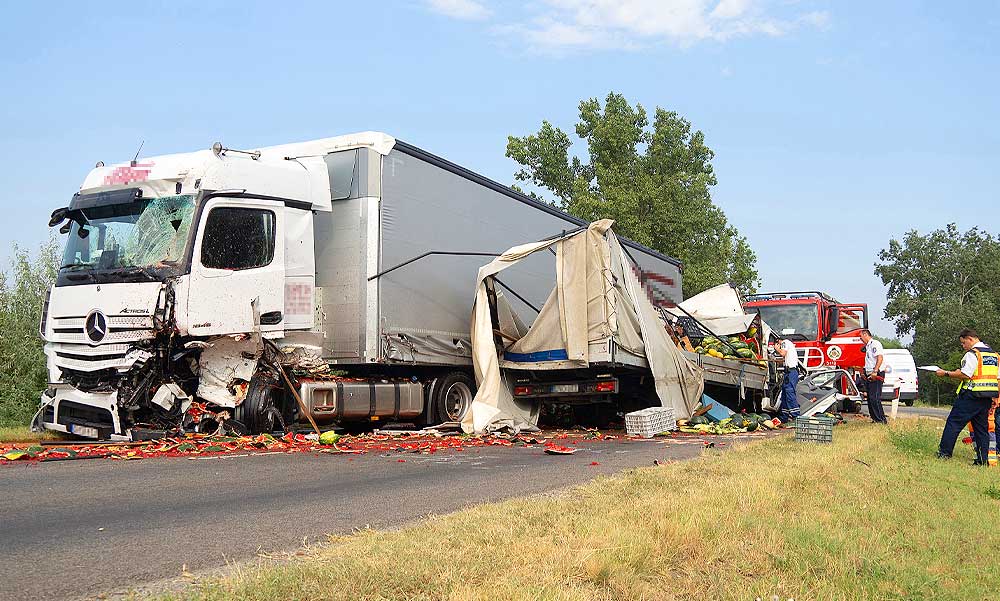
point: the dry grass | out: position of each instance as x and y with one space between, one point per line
872 516
10 434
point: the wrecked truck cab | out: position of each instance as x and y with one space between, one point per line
126 346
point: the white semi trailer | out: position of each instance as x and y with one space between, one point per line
194 280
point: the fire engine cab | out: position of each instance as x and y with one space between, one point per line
825 331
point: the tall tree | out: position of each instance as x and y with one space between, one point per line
940 283
23 373
655 183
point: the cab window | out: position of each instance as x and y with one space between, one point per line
850 320
237 238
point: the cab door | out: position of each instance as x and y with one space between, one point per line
851 318
238 257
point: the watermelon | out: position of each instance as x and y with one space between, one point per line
698 420
329 437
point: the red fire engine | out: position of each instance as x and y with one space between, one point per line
825 332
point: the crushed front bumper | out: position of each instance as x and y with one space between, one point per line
86 414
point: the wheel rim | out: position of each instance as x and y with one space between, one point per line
457 399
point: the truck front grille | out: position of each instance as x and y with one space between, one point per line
121 328
87 358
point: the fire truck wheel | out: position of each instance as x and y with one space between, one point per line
256 412
453 397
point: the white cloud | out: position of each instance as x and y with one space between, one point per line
560 25
730 9
467 10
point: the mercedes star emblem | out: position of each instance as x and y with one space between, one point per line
96 326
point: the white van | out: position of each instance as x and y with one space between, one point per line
901 372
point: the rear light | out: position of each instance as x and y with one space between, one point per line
605 386
522 390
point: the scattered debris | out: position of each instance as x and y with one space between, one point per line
554 449
215 442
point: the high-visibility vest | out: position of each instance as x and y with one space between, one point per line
983 383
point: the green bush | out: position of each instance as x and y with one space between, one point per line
921 441
22 363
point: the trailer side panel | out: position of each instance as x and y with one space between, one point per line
430 205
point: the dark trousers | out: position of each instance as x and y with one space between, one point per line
873 389
789 402
967 409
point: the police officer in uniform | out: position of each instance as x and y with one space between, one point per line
874 376
976 390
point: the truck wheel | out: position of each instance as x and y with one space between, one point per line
257 411
453 397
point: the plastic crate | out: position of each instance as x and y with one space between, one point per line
649 422
814 429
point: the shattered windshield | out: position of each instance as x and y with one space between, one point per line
151 232
797 322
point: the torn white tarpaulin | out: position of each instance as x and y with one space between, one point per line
720 309
597 296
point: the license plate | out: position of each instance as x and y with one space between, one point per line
565 388
85 431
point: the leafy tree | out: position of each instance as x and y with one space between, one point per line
655 183
940 283
888 342
23 373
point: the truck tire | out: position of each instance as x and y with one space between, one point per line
453 397
257 411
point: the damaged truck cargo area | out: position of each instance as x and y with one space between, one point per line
242 292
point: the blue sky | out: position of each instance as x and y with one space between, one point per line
836 125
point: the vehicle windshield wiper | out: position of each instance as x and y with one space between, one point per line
86 271
795 336
146 272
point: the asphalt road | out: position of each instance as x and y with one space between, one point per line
904 411
76 529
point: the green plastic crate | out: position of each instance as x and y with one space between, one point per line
814 429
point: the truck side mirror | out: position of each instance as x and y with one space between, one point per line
832 321
58 216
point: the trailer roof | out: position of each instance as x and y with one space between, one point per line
482 180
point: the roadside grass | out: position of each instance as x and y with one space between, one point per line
871 516
920 402
9 434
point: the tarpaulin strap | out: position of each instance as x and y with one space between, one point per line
340 400
553 355
395 391
371 399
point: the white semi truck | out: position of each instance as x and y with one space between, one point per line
190 282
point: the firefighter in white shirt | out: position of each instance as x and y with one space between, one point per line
789 402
